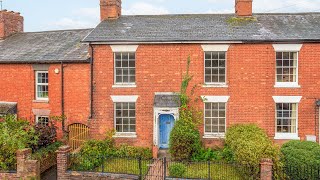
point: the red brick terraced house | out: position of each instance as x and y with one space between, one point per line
43 74
253 68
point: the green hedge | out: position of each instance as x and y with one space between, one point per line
250 144
15 134
302 159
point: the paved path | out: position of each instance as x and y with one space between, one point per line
156 170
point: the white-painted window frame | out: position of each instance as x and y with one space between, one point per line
292 100
124 99
215 48
124 49
215 99
41 84
38 116
293 48
123 84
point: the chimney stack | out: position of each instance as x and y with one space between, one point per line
110 9
10 23
243 8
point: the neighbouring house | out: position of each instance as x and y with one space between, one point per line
253 68
43 74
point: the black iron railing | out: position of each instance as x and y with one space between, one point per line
297 172
161 168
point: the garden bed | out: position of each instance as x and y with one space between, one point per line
114 165
200 170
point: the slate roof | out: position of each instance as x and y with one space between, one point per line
208 27
166 101
45 47
8 108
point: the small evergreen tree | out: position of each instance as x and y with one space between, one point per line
185 137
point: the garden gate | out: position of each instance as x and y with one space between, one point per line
78 134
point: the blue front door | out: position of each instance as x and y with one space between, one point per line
166 125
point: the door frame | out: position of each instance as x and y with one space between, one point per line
156 126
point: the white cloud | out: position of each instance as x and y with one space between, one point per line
142 8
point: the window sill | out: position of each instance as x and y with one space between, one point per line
215 86
125 135
213 136
124 86
286 136
287 85
40 101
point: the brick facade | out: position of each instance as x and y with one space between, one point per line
18 85
250 80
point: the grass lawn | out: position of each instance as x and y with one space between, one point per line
217 171
124 166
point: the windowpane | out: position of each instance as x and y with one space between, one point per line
42 85
215 63
286 117
286 66
42 120
125 68
215 121
125 114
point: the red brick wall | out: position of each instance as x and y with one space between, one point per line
18 85
250 77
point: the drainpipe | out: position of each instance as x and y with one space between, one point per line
91 82
62 99
317 108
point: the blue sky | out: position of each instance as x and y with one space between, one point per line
43 15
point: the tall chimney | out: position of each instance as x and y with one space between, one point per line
110 9
10 23
243 7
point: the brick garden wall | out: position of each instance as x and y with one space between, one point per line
18 85
250 79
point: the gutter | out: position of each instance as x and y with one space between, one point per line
44 62
244 41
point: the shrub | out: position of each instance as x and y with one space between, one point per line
133 152
94 152
177 170
228 155
44 152
184 140
301 155
250 144
46 135
15 134
207 155
225 154
91 154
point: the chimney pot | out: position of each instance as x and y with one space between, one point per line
110 9
243 8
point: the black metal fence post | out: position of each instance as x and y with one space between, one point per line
209 173
102 165
164 168
140 168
